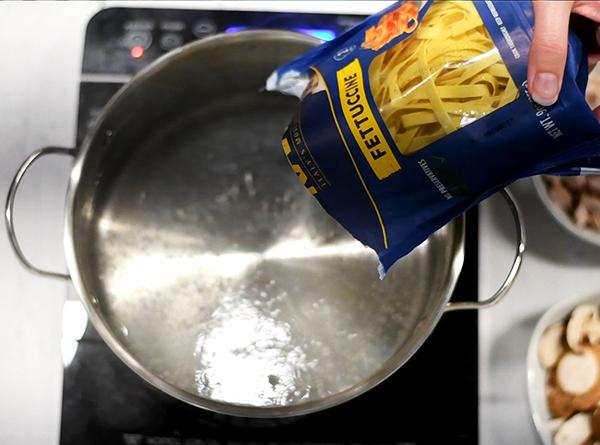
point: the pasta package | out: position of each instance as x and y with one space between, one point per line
422 110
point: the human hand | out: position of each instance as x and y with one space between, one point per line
548 53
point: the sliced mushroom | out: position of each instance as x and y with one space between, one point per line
589 400
575 431
581 215
591 93
594 183
554 424
575 183
550 346
561 196
560 403
591 202
575 327
592 329
577 374
596 424
591 96
594 221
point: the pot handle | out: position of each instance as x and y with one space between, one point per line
10 201
514 269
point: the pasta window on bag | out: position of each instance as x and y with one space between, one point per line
446 75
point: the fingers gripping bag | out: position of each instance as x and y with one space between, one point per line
421 111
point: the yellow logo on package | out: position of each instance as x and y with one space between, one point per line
362 123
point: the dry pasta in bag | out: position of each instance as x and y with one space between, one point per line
419 112
446 76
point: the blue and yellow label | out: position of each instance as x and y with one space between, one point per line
413 116
362 123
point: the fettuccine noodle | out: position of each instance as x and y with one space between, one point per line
444 76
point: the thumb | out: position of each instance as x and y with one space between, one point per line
548 53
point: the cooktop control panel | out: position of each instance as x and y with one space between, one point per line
123 40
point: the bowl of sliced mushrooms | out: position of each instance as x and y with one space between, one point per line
563 373
574 201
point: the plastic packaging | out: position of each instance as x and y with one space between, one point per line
421 111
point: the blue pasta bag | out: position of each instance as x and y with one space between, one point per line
421 111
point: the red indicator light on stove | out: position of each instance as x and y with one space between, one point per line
137 52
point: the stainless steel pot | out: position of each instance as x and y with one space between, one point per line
206 266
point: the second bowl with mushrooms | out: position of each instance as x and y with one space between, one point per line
563 367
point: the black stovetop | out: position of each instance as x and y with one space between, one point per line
432 399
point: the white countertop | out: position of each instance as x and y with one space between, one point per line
42 44
556 266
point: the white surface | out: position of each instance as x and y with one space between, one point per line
41 46
557 266
41 59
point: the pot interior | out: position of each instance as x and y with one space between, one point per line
209 268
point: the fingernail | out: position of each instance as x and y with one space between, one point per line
545 88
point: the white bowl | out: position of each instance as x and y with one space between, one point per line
589 235
536 375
